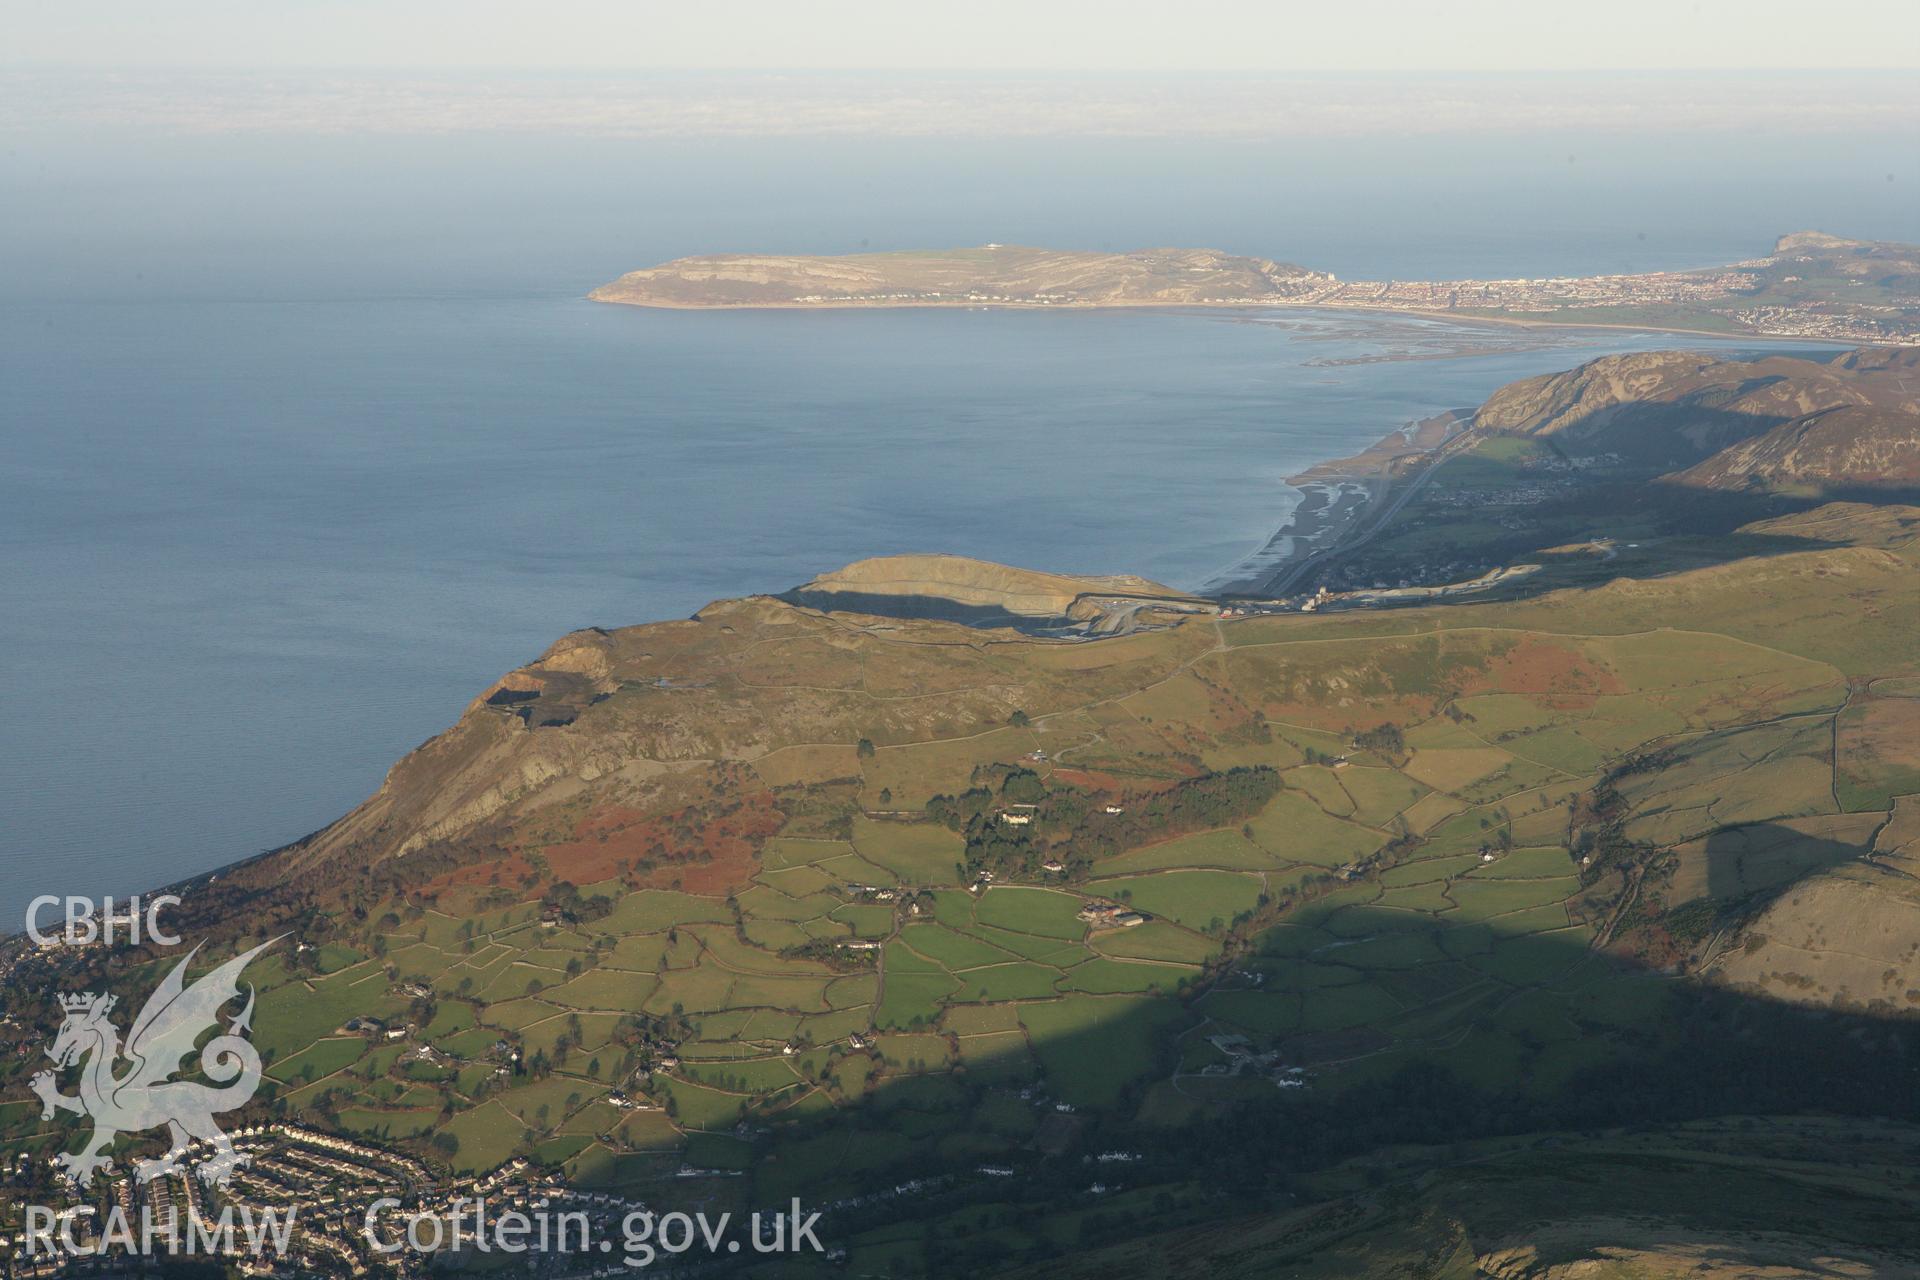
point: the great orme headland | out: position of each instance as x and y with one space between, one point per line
1811 285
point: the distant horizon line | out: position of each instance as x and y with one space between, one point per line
704 103
959 73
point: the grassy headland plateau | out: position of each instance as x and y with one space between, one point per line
1812 285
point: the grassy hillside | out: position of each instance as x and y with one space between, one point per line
1309 923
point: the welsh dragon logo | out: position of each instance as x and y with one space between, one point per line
143 1094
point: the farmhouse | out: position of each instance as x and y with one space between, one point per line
1107 915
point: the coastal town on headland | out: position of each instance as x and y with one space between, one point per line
1714 294
1812 286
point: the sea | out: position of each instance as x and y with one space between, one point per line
307 439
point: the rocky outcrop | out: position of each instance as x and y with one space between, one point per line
610 714
1844 448
1584 407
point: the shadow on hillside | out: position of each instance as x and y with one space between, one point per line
1411 1029
1561 1039
1750 866
920 607
1690 529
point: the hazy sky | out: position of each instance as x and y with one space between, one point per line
960 35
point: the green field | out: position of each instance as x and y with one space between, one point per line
1197 899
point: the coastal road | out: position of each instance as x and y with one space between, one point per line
1283 582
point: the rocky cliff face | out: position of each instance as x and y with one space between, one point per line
1844 448
894 648
1584 408
1854 424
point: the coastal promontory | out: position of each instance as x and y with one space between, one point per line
991 275
1812 285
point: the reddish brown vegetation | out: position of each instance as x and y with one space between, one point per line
704 848
1558 674
511 871
1095 780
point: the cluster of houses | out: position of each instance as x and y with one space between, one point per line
1243 1059
359 1153
335 1181
376 1029
621 1100
330 1181
1110 915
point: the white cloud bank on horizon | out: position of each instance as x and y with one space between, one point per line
825 104
1151 36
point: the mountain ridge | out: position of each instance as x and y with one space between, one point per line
1774 423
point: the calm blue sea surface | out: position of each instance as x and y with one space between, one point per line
308 440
